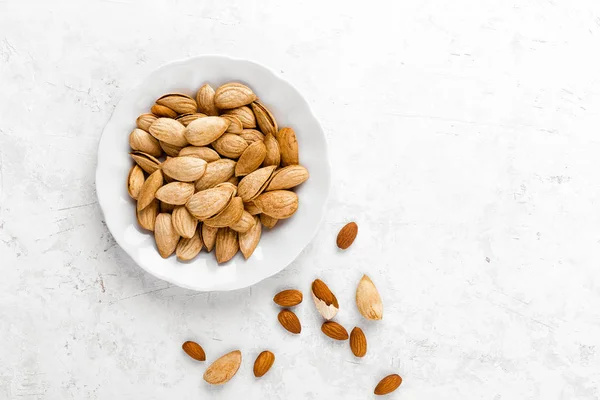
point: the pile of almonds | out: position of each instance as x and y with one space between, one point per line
368 302
228 171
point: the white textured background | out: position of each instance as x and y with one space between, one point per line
465 141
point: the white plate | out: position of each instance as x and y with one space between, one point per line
278 247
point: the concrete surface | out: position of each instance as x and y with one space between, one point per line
464 142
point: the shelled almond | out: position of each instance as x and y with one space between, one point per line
211 170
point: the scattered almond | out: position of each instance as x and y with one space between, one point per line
263 363
289 321
324 299
334 330
388 384
358 342
347 235
288 298
194 350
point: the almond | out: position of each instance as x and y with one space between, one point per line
169 149
245 115
368 299
347 234
135 181
254 183
148 191
218 171
251 208
235 125
280 204
288 147
287 178
146 162
249 239
205 153
334 330
187 119
209 236
264 119
289 321
176 193
141 140
147 217
169 131
267 221
227 244
178 102
251 159
251 136
358 342
288 298
234 180
206 100
165 235
388 384
244 223
209 202
224 368
162 111
166 207
233 95
184 169
145 120
229 216
230 145
188 249
272 157
183 222
194 350
324 299
263 363
206 130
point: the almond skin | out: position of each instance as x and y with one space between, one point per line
280 204
324 299
233 95
147 217
135 181
209 237
346 236
358 342
176 193
288 147
148 191
169 131
289 321
263 363
206 100
165 235
227 245
163 111
145 120
334 330
249 239
188 249
388 384
184 169
224 368
194 350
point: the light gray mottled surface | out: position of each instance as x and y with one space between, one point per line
464 140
